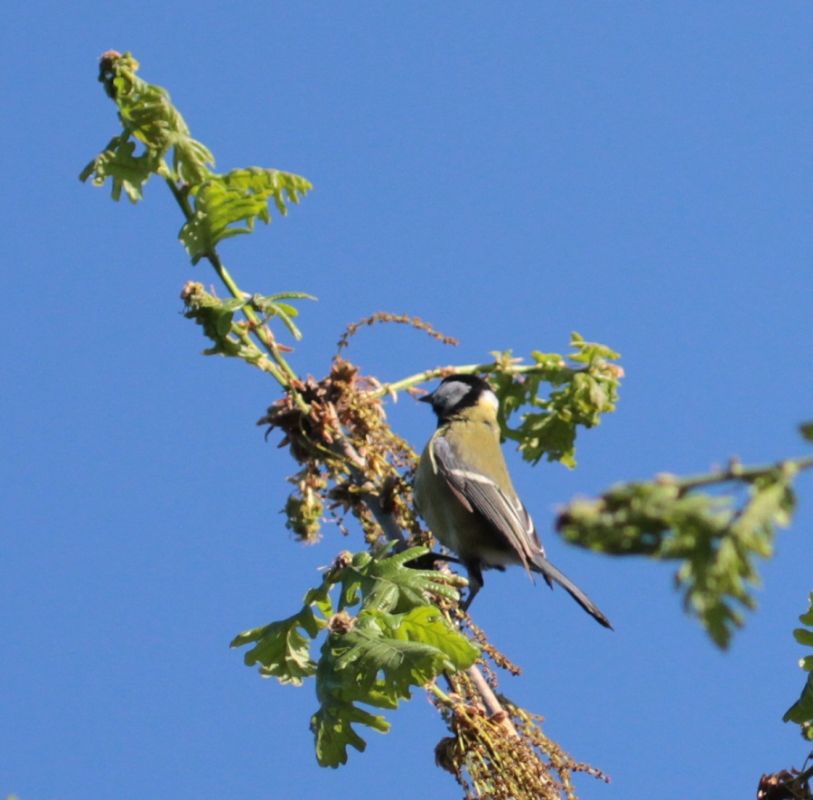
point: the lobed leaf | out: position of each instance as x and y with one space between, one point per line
125 170
282 649
216 317
221 205
333 731
388 584
228 205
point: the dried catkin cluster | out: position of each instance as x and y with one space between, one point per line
336 428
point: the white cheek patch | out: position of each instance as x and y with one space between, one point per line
490 399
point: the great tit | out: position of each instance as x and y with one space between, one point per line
464 492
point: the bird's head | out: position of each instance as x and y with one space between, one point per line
457 393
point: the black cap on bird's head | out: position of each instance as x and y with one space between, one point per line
457 392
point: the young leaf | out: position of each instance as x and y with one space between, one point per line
147 117
216 317
125 170
271 306
228 205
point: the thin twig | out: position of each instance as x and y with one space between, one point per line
468 369
736 472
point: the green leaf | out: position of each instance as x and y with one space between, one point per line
426 624
229 205
333 731
287 309
290 296
803 636
806 429
396 642
388 584
589 352
293 330
408 649
272 306
280 648
549 435
281 310
126 171
807 617
370 648
801 712
216 317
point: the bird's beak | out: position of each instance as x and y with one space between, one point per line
427 398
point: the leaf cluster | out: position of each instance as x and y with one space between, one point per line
151 124
715 537
383 637
230 336
582 390
155 140
801 712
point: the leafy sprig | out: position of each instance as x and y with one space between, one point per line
563 393
582 391
717 538
155 140
231 337
151 123
395 641
801 712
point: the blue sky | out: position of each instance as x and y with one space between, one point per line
638 172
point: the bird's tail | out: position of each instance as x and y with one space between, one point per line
550 573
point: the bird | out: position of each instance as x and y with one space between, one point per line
464 492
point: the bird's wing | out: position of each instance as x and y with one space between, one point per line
507 515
